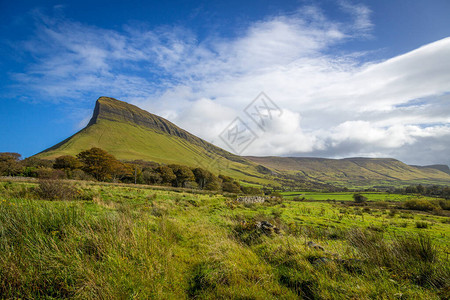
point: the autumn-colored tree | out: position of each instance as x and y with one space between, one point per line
32 164
10 164
67 162
120 170
166 174
98 163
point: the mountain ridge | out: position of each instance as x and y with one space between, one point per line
352 169
130 133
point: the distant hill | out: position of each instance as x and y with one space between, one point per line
130 133
442 168
353 171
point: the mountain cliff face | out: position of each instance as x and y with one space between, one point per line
111 109
130 133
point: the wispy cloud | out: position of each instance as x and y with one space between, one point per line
334 105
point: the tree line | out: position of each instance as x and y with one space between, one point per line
426 190
97 164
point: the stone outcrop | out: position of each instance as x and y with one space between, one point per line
251 199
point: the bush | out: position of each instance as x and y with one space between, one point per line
81 175
49 173
444 204
420 224
420 204
51 189
359 198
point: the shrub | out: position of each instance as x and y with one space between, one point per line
49 173
359 198
421 224
51 189
420 204
444 204
297 198
81 175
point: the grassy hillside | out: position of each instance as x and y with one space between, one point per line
123 242
130 133
127 142
353 171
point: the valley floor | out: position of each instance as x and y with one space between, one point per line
116 241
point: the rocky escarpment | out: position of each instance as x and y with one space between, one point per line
111 109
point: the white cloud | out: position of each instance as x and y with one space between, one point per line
334 105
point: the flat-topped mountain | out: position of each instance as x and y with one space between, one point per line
130 133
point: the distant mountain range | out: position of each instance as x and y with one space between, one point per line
130 133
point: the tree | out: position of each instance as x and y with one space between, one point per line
98 163
230 185
151 176
201 177
120 170
32 164
183 175
67 162
213 183
251 190
206 180
10 164
166 174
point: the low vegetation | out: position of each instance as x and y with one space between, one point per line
99 240
98 165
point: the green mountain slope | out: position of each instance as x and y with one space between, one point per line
443 168
353 171
131 133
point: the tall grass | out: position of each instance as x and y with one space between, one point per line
411 257
148 244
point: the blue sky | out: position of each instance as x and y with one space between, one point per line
353 78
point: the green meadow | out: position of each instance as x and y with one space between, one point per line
103 241
348 196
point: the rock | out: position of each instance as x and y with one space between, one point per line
313 245
320 261
267 227
251 199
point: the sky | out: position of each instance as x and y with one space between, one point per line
350 78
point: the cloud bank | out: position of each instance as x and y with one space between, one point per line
335 103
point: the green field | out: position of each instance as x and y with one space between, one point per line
348 196
125 241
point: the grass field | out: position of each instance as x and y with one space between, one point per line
122 241
348 196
